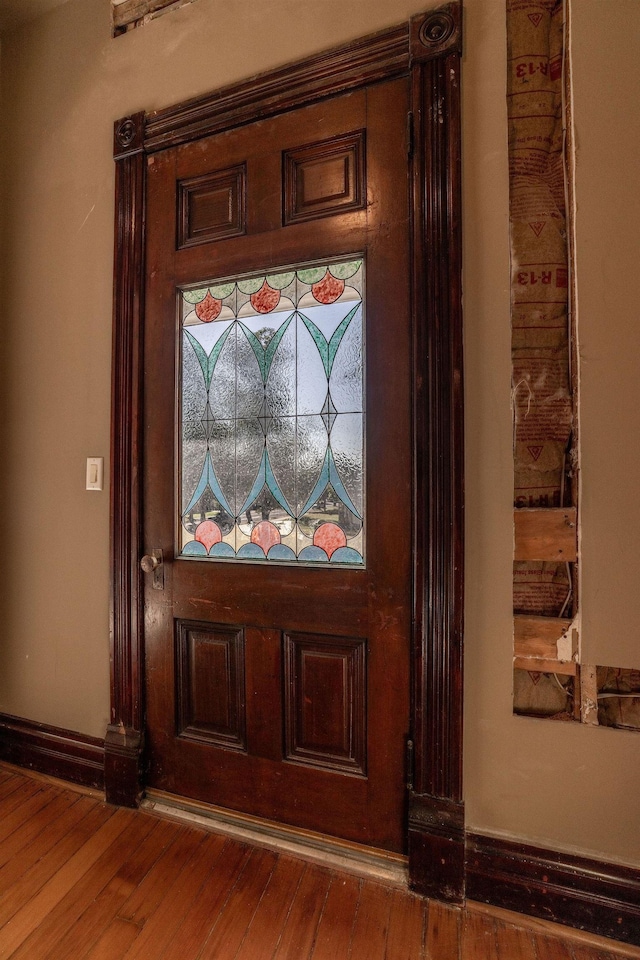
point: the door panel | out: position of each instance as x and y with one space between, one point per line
325 702
282 690
210 684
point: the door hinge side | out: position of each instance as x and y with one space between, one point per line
409 763
410 133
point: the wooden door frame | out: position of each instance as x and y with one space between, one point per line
427 51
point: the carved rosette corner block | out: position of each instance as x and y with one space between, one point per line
436 33
128 136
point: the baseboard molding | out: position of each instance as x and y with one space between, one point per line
592 895
53 751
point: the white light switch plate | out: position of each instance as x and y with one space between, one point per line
95 473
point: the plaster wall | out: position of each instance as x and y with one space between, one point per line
63 82
606 79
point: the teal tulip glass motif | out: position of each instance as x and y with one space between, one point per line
272 417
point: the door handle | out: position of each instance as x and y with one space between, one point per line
153 563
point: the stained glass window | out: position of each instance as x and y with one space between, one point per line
272 417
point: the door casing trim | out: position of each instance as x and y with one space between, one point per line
427 51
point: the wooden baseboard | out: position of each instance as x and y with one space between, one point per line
592 895
53 751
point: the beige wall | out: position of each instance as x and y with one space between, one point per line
606 75
63 83
561 784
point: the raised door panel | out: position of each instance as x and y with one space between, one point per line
210 684
326 177
326 702
212 207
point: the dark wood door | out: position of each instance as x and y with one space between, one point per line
277 629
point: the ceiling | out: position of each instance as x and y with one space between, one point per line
15 12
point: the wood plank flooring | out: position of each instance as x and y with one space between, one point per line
80 880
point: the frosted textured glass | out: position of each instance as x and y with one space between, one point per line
346 376
222 446
272 417
346 441
222 392
194 445
312 378
248 379
312 452
281 447
194 390
249 451
281 385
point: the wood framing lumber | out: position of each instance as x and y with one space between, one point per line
535 665
538 636
546 534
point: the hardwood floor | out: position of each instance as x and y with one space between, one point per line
82 880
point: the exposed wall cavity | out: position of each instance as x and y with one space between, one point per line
618 698
549 678
544 595
127 14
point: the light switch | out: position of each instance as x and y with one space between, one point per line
95 473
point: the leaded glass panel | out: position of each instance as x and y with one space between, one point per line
272 417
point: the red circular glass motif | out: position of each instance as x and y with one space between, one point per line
265 534
208 533
328 289
329 536
266 299
208 309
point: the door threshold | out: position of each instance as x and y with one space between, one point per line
368 862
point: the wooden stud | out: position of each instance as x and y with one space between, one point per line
538 636
565 667
589 694
131 11
546 534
